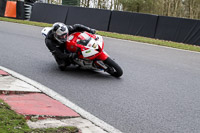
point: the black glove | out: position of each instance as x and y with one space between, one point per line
93 31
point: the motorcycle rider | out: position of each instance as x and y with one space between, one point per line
56 39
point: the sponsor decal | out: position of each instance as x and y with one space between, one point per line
88 51
94 45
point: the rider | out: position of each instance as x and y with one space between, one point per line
56 39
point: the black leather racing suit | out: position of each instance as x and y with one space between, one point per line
58 49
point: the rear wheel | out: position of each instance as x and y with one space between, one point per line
113 68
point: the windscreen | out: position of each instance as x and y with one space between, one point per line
84 39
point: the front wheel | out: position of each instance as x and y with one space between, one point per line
113 68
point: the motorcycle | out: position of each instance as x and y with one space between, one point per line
90 51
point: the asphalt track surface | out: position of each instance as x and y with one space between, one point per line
159 91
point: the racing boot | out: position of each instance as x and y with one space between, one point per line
61 63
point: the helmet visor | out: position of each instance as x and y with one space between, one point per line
61 38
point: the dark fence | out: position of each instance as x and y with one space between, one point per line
20 10
95 18
178 30
49 13
2 7
133 23
160 27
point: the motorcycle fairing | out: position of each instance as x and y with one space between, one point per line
89 52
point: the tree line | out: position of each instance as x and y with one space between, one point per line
176 8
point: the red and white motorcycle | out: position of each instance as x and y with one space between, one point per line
91 55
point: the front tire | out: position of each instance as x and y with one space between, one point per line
113 68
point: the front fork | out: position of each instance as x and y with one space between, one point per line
100 60
101 64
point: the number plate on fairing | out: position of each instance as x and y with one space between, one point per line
89 52
93 45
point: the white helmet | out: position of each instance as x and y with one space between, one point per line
60 32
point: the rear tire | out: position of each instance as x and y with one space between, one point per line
113 68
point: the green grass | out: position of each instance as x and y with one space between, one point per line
119 36
10 122
25 22
151 41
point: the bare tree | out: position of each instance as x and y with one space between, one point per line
176 8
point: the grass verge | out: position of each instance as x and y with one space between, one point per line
11 122
25 22
119 36
151 41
